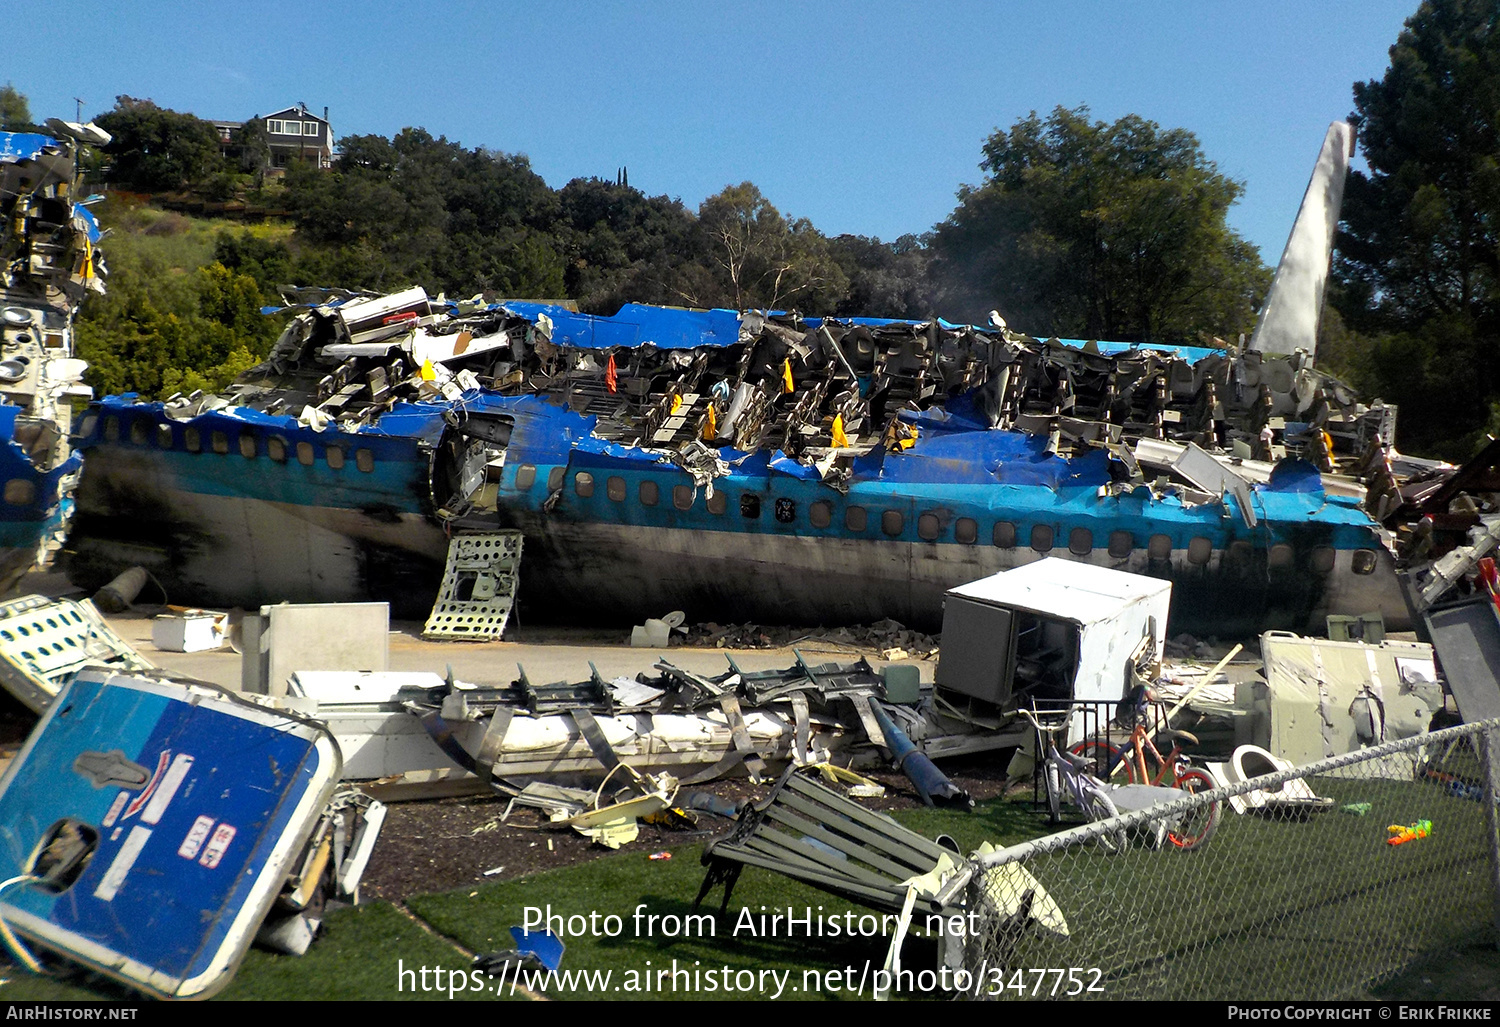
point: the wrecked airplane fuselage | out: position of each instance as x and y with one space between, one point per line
737 466
48 263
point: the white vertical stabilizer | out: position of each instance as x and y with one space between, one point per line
1289 319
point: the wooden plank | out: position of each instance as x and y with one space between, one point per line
895 871
858 814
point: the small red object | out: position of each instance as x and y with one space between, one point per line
660 855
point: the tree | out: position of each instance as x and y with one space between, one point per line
158 149
1102 231
15 112
1418 256
757 258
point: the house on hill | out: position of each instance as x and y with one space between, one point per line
294 133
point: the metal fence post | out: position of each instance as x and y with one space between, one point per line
1489 747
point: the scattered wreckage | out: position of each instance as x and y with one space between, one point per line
49 261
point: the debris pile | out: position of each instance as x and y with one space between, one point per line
887 639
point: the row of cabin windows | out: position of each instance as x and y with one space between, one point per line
1042 539
247 443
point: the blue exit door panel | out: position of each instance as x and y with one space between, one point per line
157 821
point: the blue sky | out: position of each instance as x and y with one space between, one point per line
863 117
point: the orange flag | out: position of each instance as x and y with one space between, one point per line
839 438
611 376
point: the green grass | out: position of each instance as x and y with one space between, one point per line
1267 909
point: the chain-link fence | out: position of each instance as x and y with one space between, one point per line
1297 894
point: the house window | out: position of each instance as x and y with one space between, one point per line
276 128
309 128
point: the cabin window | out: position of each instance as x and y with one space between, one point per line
192 440
929 527
891 522
248 448
139 436
276 448
111 429
682 496
1080 542
614 488
583 484
1004 535
649 493
88 424
966 531
555 478
1159 547
1240 553
526 477
20 492
1199 550
333 456
749 506
305 455
163 436
717 503
855 518
1041 538
1364 561
820 514
220 442
1281 555
785 509
1322 560
1121 543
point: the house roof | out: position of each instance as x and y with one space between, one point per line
298 112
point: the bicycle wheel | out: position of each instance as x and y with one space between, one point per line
1196 826
1109 761
1098 806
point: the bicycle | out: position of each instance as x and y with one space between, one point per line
1088 792
1173 770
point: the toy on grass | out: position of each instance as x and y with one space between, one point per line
1401 835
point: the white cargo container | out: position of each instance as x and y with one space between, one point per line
1053 631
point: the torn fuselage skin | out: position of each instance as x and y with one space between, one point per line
742 466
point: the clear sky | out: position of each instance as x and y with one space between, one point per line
864 117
